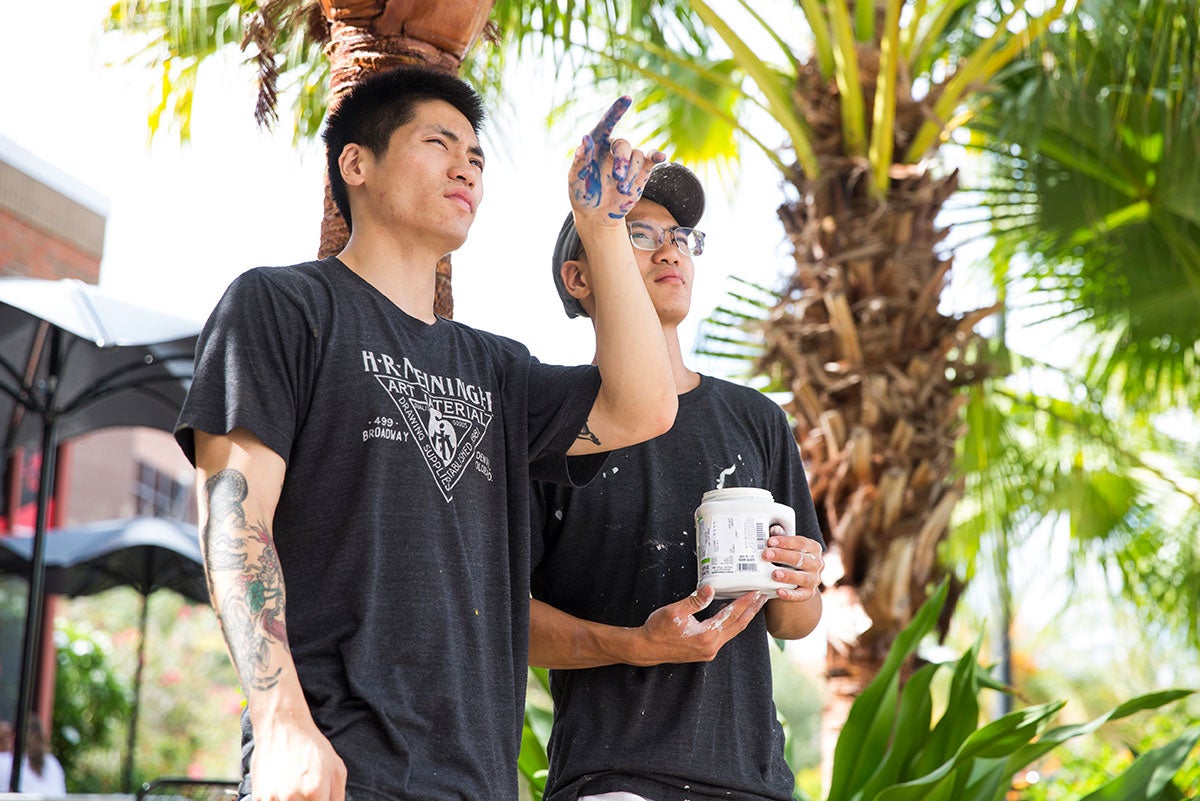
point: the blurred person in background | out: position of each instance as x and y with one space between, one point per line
41 772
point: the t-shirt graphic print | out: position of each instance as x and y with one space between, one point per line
445 417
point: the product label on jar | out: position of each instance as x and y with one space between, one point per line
731 543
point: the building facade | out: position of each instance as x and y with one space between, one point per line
52 227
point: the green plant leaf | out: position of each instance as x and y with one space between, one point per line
532 762
1008 733
864 738
912 728
1150 773
995 740
542 675
1152 700
961 717
1056 736
988 780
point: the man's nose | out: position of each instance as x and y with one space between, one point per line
667 250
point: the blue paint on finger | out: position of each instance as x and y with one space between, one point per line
587 187
620 172
603 130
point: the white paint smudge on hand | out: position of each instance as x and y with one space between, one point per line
714 623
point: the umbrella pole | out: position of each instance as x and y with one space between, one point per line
127 773
35 604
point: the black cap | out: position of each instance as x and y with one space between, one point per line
671 185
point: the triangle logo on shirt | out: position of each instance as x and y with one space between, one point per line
447 429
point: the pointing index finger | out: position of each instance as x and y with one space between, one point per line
603 130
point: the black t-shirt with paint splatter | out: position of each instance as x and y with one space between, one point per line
625 545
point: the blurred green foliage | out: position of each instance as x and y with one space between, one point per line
190 703
91 703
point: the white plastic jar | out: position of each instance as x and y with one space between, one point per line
732 526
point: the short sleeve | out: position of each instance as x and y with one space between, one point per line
560 399
252 367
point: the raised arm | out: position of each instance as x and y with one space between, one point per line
671 634
637 399
241 480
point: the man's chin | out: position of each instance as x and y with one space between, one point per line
454 241
673 314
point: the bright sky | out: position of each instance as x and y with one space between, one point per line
183 221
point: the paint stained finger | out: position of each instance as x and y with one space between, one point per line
626 206
622 167
640 174
586 184
603 130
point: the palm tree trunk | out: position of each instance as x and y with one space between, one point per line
366 37
875 370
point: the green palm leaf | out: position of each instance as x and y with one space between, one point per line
1098 138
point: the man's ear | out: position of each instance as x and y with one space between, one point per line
352 163
575 280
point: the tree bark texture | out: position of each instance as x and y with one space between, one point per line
876 373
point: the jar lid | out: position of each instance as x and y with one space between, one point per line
730 493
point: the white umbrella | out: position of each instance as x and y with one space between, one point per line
74 359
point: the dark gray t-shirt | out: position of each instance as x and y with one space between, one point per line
625 545
403 524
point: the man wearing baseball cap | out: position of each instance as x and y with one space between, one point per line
660 693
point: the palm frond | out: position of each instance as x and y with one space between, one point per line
1113 477
176 36
1097 135
732 331
776 92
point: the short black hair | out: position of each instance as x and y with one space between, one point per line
372 110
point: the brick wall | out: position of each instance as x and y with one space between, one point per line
45 233
27 251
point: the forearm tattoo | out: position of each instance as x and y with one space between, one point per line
587 434
250 602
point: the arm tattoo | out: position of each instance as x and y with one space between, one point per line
587 434
251 608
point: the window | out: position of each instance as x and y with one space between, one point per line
159 495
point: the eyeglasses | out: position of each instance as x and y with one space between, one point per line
648 236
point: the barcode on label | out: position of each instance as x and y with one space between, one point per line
760 534
747 567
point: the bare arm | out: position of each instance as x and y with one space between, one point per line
637 399
671 634
794 613
241 480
